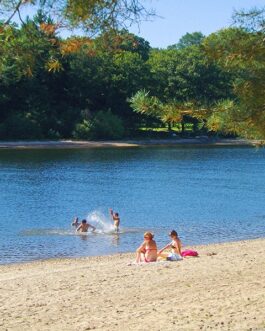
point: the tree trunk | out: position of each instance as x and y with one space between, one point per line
182 127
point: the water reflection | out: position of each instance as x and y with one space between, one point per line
115 239
83 237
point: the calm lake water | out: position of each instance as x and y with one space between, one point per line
206 194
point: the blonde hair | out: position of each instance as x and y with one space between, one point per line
149 234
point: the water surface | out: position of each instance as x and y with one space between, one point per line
206 194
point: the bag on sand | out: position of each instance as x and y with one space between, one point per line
189 252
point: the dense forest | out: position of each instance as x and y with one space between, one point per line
114 85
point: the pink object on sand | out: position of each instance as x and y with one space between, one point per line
189 252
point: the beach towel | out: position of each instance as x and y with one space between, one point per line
189 252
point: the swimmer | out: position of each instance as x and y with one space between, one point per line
75 222
175 246
84 226
116 219
147 252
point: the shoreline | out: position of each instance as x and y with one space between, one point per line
222 289
129 254
82 144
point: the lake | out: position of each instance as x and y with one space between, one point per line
207 194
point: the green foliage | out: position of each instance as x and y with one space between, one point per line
142 103
106 79
90 77
52 87
187 75
168 113
252 20
185 85
20 127
104 125
227 117
92 16
242 53
115 41
83 130
189 39
27 50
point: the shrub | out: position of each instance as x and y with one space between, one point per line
104 125
20 127
82 130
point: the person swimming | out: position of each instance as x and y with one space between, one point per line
147 252
84 226
75 222
116 219
175 246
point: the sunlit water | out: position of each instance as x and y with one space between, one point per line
206 194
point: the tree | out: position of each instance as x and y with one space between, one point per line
91 16
183 83
104 125
104 79
189 39
252 20
49 84
187 75
115 41
168 113
51 87
29 64
241 51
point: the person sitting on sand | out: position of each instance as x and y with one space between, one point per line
84 226
175 246
75 222
147 252
116 219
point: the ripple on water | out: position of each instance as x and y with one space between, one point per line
206 194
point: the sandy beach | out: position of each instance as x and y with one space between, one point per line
69 144
223 289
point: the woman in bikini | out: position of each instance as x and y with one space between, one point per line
147 252
175 246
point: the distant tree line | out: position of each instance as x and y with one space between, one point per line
113 85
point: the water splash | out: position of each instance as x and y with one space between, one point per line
102 223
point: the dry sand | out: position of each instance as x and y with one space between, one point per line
223 289
70 144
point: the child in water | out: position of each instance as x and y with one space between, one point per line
116 219
84 226
147 252
175 246
75 222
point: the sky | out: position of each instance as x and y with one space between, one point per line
182 16
177 17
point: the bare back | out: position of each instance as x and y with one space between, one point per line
150 252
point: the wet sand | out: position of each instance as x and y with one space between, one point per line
223 289
68 144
